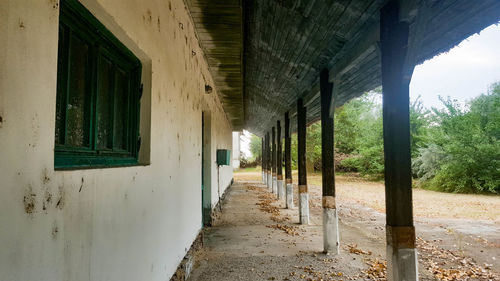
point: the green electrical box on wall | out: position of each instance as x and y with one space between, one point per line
223 157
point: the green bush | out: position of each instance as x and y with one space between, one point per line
455 149
256 149
360 122
466 146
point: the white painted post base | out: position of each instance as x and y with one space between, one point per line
281 190
275 185
263 177
289 196
269 181
402 264
304 208
331 242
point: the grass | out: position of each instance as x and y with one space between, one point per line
246 170
426 203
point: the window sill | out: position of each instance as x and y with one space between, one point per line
69 162
76 168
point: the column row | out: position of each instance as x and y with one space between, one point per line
396 75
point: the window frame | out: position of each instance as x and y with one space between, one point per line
76 20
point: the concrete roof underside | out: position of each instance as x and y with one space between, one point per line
265 54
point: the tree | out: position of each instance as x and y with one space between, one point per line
313 146
419 124
467 140
360 122
359 132
455 149
256 148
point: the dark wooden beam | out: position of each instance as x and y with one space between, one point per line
288 163
327 151
301 149
263 159
288 150
279 154
301 135
279 162
263 155
330 218
268 155
401 254
273 152
396 114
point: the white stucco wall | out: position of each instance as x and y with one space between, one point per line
130 223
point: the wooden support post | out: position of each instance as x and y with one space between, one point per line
268 165
265 159
401 254
273 156
330 217
262 160
288 163
301 135
279 162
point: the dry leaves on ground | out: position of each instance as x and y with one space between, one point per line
254 188
316 275
290 230
376 271
446 265
265 201
277 218
353 249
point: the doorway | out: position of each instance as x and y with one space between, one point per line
206 169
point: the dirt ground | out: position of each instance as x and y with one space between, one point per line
255 238
426 204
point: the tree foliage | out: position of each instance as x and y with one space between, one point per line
466 144
256 148
360 123
453 149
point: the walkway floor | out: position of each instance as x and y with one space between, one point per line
256 238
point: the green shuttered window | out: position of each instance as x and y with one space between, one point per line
98 94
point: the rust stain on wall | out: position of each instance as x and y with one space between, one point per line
29 200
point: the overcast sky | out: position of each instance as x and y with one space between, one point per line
464 72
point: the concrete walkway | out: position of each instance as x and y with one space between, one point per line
255 238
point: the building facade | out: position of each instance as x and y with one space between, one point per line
105 220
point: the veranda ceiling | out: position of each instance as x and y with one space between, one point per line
265 54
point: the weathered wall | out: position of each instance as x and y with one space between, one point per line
130 223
